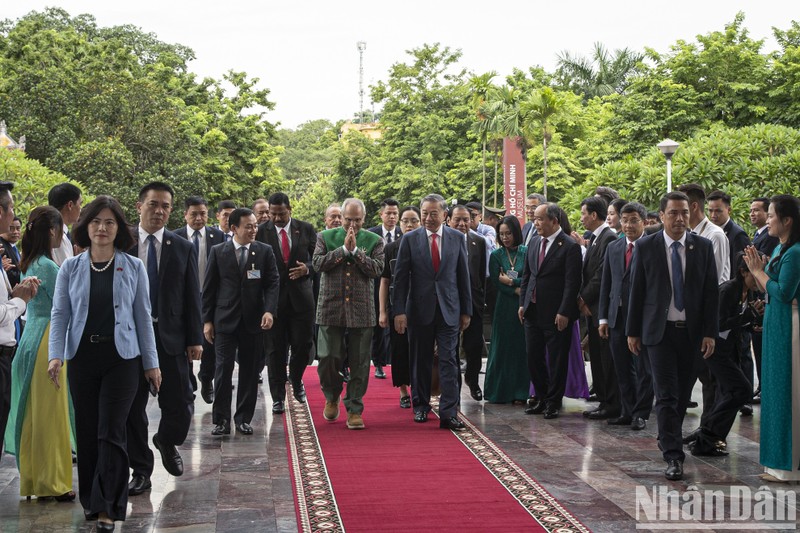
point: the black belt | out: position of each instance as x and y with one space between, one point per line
99 339
680 324
7 350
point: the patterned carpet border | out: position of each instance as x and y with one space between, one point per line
541 505
316 504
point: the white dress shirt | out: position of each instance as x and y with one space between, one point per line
722 247
10 310
673 314
65 251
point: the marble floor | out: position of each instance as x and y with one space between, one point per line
241 483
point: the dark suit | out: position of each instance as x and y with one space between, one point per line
526 229
234 302
179 325
732 387
738 240
433 303
764 243
604 377
634 379
380 336
556 285
472 338
213 238
673 347
12 273
294 324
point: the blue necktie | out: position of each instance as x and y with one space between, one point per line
15 252
196 239
677 276
152 274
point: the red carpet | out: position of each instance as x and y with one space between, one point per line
397 475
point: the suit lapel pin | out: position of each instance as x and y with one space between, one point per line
559 243
168 242
691 246
252 252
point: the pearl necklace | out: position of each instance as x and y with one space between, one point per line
110 261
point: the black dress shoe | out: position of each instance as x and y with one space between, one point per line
74 458
221 429
89 516
692 405
550 413
170 457
620 421
277 407
453 424
536 409
638 423
746 410
691 437
260 379
244 428
379 373
476 393
138 485
299 392
592 398
587 412
405 402
674 470
699 450
600 414
421 416
105 526
345 375
207 390
533 400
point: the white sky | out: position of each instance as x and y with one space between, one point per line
305 52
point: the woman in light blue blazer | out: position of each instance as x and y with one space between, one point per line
101 324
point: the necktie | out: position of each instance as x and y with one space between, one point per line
542 254
196 241
15 252
677 276
591 239
242 258
628 254
284 246
152 274
388 237
435 252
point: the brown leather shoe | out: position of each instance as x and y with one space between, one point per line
354 421
331 411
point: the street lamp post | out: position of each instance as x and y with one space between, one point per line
668 148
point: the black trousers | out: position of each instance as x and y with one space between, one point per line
634 377
207 362
674 362
290 329
549 378
176 401
380 346
473 343
250 349
732 391
604 376
102 385
401 365
5 391
421 341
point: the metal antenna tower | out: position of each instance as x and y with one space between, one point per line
362 45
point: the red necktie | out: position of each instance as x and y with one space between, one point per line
284 246
435 252
541 259
628 254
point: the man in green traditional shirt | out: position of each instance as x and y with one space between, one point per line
349 258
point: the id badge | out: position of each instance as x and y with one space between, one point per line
253 273
512 274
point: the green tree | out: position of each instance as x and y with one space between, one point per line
603 74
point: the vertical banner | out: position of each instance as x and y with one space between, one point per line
514 179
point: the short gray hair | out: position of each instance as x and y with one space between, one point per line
438 198
537 196
356 201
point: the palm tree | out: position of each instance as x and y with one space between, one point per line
601 75
538 112
480 87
